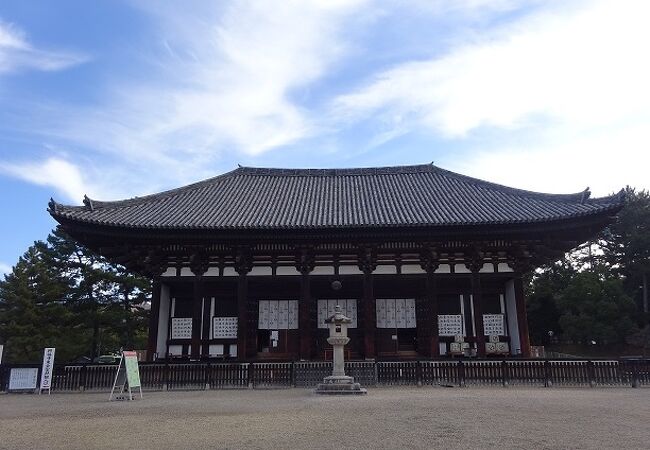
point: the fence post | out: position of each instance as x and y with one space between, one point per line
504 373
418 373
461 373
251 379
207 376
165 380
82 378
591 373
293 374
635 374
547 374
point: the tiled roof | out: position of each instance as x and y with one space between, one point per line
255 198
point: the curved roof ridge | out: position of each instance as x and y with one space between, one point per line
574 197
579 197
94 204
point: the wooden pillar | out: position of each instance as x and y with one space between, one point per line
243 265
154 319
304 322
369 316
522 317
242 315
197 302
305 262
477 295
432 317
205 332
199 263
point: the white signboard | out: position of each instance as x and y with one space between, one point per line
450 324
278 315
224 327
326 309
48 367
395 313
493 324
181 328
23 378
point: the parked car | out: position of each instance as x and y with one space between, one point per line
107 359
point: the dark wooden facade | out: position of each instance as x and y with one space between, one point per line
463 254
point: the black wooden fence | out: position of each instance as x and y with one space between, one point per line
265 375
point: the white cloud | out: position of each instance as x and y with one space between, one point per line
586 66
17 53
227 81
226 78
62 175
606 161
5 269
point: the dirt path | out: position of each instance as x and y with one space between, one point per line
385 418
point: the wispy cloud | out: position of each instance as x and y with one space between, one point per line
58 173
584 65
224 79
561 91
17 53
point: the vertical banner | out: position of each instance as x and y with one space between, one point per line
2 347
48 368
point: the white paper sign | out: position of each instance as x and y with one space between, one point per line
48 367
224 327
450 324
283 314
263 317
410 313
181 328
380 309
278 315
292 322
23 378
493 324
396 313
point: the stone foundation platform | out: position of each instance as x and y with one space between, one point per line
340 385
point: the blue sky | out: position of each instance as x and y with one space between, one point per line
121 98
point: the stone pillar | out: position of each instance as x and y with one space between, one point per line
243 265
367 264
305 264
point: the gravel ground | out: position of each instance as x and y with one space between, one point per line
386 418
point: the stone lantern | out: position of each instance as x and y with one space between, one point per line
338 382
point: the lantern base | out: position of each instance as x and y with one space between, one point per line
339 385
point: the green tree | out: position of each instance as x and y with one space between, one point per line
63 295
626 246
594 307
33 314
